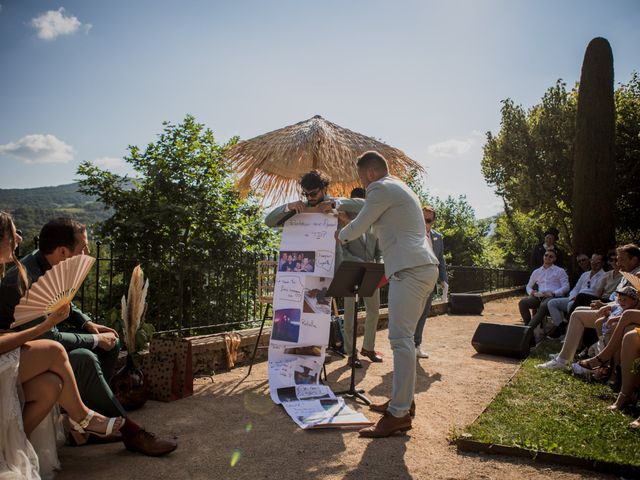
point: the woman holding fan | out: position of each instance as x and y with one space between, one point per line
39 370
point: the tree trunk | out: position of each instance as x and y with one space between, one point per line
594 162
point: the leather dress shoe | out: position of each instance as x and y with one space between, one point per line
148 444
387 426
372 355
356 361
382 407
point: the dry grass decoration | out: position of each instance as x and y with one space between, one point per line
133 308
272 164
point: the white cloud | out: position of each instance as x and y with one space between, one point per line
53 23
454 147
108 162
38 148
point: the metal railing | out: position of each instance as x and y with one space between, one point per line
206 294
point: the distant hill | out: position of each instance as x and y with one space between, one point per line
33 207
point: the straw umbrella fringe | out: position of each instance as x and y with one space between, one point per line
273 163
133 308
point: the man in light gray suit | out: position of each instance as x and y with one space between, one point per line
362 249
437 243
393 210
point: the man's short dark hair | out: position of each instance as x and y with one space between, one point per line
630 249
372 159
358 192
314 179
429 208
60 232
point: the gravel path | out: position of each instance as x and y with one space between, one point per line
231 420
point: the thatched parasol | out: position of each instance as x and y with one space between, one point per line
273 163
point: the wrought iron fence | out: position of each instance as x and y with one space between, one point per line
191 294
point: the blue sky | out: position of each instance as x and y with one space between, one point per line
82 80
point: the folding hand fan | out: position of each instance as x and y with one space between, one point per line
632 279
53 289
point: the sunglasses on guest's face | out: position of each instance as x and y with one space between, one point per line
312 193
428 220
549 255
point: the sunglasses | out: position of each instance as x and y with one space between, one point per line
428 220
549 255
312 193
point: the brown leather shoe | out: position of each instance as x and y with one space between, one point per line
387 426
372 355
382 407
148 444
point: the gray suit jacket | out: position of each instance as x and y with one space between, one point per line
393 210
438 249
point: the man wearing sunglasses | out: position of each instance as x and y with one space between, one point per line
314 186
435 239
547 282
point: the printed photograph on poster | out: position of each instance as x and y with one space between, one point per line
286 325
305 392
324 413
315 295
297 261
310 350
304 375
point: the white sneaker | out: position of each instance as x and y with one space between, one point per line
554 364
581 371
420 353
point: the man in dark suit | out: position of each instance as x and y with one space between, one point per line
436 241
93 348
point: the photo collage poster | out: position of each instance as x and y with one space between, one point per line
301 322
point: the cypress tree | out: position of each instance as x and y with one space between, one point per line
594 161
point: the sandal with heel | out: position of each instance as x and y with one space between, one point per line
80 432
624 400
589 363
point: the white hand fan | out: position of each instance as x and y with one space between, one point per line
632 279
53 289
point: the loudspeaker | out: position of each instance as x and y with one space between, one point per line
466 303
503 340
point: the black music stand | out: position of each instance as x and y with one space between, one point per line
355 279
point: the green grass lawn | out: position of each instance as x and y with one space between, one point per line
556 412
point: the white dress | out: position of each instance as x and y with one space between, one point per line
18 458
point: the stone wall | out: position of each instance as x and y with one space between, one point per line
209 353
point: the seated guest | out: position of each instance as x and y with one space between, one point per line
549 244
622 318
587 285
630 352
584 265
42 369
92 348
581 319
607 285
545 283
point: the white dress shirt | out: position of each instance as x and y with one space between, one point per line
551 279
587 283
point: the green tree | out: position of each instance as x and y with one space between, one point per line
627 151
594 158
529 161
465 238
183 213
530 164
